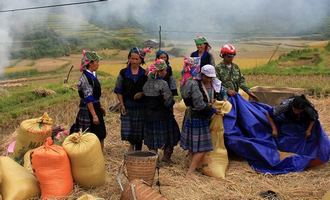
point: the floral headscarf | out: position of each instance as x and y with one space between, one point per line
158 65
191 69
141 52
87 57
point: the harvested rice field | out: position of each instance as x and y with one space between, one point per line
49 64
241 181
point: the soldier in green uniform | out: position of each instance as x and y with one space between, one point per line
230 74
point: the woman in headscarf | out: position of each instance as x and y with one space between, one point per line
199 95
296 109
161 131
90 115
128 88
160 54
203 47
296 126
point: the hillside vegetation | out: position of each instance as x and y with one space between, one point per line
59 35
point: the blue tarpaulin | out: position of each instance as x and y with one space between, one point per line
248 134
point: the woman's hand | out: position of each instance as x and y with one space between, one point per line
103 111
231 92
96 120
122 109
309 129
274 132
218 112
138 95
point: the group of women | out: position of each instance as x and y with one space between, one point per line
146 98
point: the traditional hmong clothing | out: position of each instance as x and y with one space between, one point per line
171 81
196 136
292 133
89 90
206 58
169 75
161 130
231 77
309 113
132 122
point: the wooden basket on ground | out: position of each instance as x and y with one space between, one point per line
141 165
139 190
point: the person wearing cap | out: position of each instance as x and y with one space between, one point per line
160 54
202 52
129 91
90 114
230 74
199 95
161 131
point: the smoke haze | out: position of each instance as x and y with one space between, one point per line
184 18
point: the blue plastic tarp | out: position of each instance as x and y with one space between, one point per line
248 134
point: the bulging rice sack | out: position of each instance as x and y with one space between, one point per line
89 197
243 94
17 182
181 107
326 196
51 166
27 161
32 133
86 157
0 178
215 163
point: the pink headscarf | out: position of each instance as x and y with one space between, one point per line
158 65
87 57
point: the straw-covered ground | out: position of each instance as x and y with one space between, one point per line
241 181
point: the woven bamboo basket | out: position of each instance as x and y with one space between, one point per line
141 165
138 190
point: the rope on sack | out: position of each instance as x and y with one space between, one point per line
118 176
45 119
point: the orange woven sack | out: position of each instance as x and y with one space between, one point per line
52 168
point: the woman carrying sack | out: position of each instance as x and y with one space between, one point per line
199 94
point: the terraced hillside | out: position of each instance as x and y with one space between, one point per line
59 35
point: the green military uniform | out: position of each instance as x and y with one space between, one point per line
231 77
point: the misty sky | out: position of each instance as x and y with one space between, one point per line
191 15
228 17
